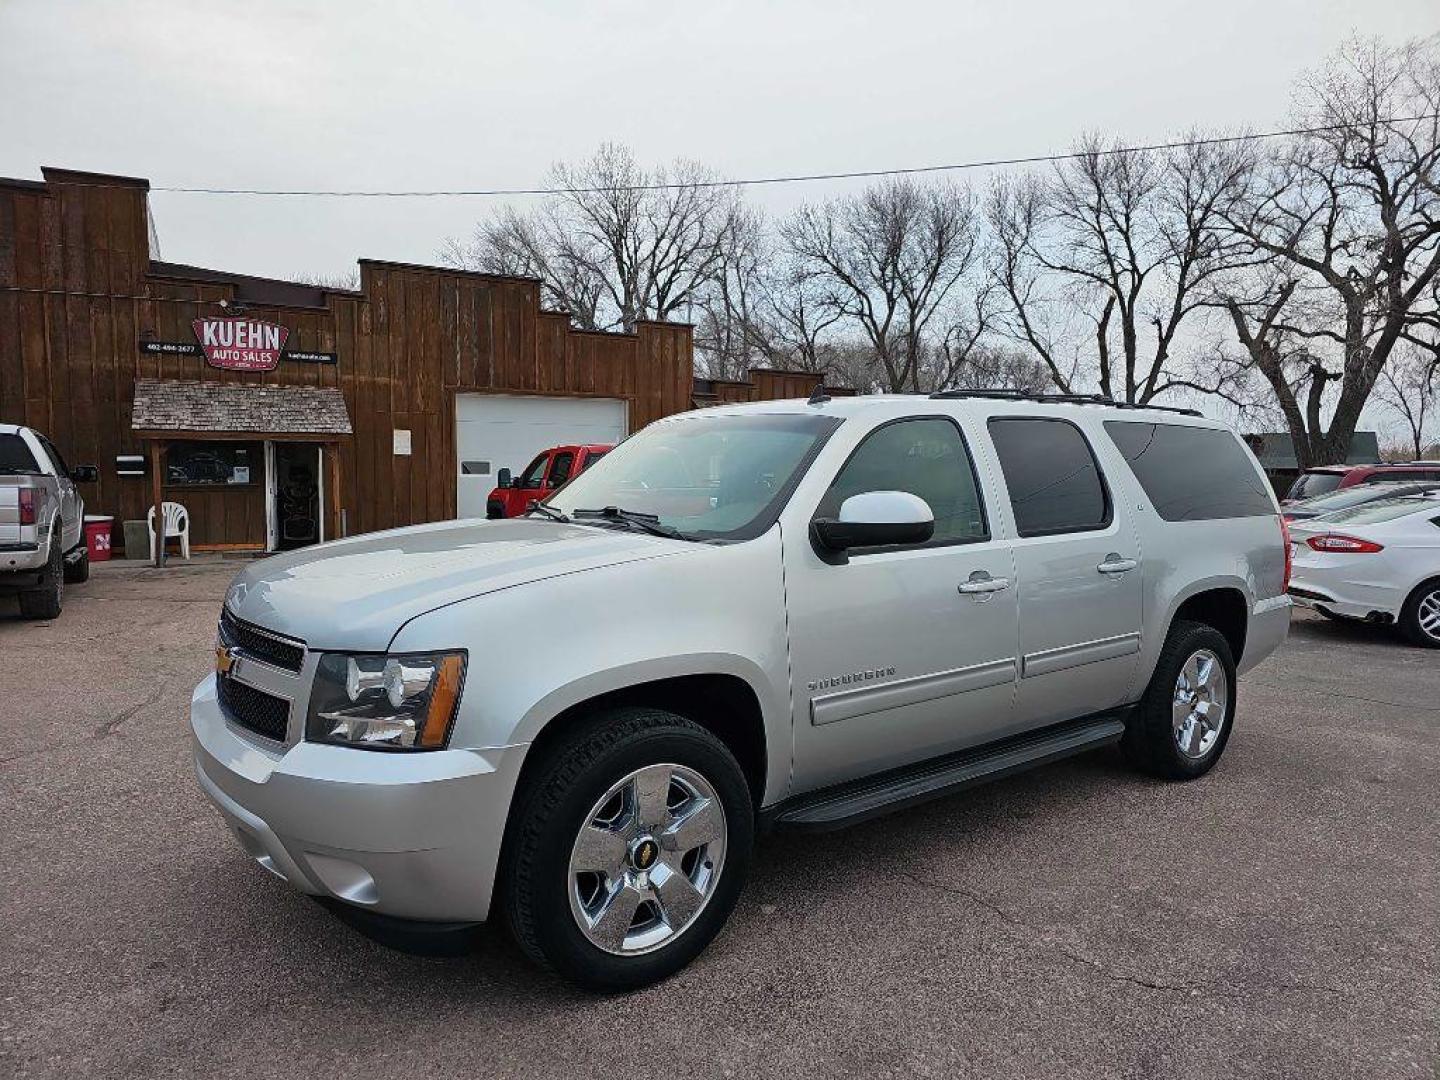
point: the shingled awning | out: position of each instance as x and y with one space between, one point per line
175 407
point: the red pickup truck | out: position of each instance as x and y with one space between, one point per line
550 469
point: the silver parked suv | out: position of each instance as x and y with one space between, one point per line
788 614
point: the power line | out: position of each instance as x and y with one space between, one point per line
801 178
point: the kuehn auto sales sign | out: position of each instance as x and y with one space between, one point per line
236 343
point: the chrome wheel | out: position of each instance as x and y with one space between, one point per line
1428 614
647 859
1202 694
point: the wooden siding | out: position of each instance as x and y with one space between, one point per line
77 293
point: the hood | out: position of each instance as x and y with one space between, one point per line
357 593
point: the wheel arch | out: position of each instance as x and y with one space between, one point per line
715 692
1226 607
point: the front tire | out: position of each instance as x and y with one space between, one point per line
628 844
45 601
1181 726
1420 616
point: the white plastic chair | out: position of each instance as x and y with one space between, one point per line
177 523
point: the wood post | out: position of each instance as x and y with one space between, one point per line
332 488
157 455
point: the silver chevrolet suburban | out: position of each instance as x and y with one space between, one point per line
42 541
780 615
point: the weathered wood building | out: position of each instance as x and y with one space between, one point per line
441 372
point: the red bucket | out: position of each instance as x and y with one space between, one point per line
97 537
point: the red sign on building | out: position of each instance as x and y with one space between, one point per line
236 343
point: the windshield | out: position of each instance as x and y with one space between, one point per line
710 477
1316 483
15 456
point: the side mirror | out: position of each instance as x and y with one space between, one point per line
502 478
876 519
85 474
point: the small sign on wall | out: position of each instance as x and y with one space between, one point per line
402 442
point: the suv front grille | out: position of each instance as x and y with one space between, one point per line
254 710
264 646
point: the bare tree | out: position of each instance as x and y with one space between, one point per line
620 245
1122 242
349 280
761 308
889 263
1349 218
1409 384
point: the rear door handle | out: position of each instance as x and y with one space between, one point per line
1114 564
981 582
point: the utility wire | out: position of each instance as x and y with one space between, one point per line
801 178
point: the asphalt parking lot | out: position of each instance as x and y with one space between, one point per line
1278 918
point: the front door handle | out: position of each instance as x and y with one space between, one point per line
981 582
1114 564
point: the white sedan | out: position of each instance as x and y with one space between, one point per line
1379 562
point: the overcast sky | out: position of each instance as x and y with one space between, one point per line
362 94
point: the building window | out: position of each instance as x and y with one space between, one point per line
205 464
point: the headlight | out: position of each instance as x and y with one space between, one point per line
385 702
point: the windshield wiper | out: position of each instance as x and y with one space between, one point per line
648 522
546 511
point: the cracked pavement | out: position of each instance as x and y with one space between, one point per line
1275 919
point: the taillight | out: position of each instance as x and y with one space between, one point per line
1289 554
1350 545
27 506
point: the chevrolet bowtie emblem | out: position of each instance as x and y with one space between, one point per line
224 661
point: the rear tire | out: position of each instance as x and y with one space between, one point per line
1420 616
591 797
1181 726
78 571
45 601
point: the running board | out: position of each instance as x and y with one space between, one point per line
859 800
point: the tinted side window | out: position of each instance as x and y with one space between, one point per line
534 475
1191 473
925 457
560 468
1055 484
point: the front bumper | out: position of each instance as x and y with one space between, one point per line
415 836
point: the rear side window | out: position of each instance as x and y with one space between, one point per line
592 457
1191 473
1055 484
926 457
15 456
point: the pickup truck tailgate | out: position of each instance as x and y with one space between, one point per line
9 514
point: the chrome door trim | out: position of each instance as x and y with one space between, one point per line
863 700
1084 652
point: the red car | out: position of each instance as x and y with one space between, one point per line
1324 479
550 469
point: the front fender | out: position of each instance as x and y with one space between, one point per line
540 648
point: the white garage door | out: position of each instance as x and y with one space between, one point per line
503 431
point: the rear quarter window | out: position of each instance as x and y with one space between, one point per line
1192 473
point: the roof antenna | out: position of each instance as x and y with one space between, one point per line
818 397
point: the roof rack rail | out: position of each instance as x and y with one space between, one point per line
1006 394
